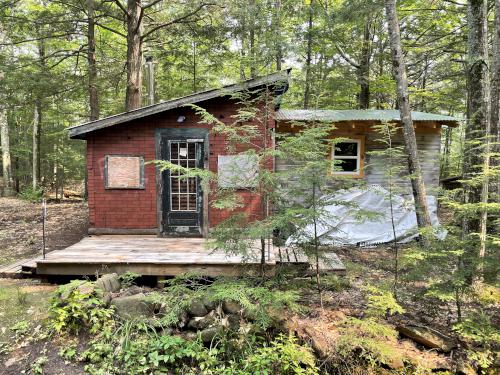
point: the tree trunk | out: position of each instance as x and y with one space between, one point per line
495 103
445 167
253 15
277 30
414 169
477 132
477 106
364 68
307 89
134 55
6 161
91 60
37 119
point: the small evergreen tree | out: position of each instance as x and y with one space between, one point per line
394 173
308 188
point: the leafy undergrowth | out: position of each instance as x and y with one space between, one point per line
281 328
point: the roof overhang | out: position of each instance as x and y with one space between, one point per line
279 80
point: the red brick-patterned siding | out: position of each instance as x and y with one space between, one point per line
137 209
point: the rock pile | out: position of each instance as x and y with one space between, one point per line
201 317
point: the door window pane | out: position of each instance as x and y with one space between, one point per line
183 190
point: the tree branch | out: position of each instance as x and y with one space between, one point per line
120 5
151 4
177 20
110 29
347 58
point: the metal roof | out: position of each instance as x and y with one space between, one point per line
358 115
80 131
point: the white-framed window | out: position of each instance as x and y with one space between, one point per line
347 156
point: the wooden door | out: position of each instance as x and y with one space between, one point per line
182 196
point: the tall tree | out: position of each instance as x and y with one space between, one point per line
363 66
134 14
37 119
477 132
417 180
277 29
309 41
91 61
5 145
495 103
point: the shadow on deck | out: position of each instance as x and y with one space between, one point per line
153 256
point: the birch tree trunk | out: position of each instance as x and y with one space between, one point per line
91 61
414 169
307 89
36 145
134 55
6 161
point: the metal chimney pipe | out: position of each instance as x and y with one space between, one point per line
150 80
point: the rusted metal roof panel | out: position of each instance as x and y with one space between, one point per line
359 115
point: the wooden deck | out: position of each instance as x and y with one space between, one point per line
153 256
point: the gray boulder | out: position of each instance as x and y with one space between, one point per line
109 283
183 319
202 322
133 307
134 289
210 305
233 322
231 307
208 334
197 308
68 289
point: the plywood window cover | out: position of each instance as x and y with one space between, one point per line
238 171
358 158
134 179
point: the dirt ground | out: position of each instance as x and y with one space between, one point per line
24 303
21 227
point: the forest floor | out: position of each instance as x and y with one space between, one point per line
21 227
25 346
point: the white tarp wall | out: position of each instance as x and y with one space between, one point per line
344 227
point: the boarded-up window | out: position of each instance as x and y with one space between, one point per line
237 171
124 172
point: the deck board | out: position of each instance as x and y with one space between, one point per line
150 255
147 255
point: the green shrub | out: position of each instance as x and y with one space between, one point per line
259 302
77 305
281 357
479 329
382 302
30 194
364 342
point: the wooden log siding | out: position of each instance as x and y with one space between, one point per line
428 143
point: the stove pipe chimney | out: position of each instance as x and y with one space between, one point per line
150 76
